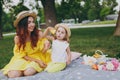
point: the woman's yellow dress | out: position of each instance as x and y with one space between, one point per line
17 62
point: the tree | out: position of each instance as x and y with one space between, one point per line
49 12
48 7
63 11
20 7
69 9
117 29
107 8
94 9
1 11
104 12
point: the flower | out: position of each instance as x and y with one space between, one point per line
109 66
102 62
115 62
118 67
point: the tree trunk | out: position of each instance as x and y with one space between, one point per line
49 12
117 29
1 36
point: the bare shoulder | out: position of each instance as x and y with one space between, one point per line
16 39
40 34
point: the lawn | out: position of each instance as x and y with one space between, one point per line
84 40
6 49
88 40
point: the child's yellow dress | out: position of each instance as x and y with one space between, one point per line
17 62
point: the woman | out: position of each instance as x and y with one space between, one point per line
31 53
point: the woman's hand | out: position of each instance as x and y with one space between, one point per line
41 63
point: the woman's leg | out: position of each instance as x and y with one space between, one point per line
15 73
29 71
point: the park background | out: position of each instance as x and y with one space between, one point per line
83 13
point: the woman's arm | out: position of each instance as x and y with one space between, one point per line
49 37
51 30
68 56
41 63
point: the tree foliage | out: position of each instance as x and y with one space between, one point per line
63 11
104 12
20 7
67 9
91 10
107 8
8 19
94 9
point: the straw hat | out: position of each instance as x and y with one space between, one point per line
64 26
22 15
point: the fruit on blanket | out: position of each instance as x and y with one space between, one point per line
94 66
96 55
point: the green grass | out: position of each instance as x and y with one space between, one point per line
6 49
88 40
84 40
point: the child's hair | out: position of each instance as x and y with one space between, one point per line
67 29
